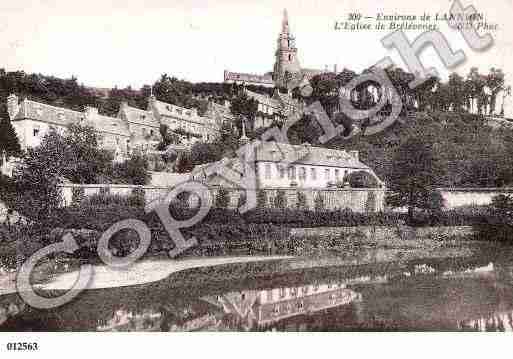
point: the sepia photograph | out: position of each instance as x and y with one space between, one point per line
254 166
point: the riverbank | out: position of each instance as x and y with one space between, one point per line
142 272
353 251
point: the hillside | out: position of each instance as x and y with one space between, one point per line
469 152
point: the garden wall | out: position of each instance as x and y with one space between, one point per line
459 197
358 200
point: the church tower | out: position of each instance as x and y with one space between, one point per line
287 70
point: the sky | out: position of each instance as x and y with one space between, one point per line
107 43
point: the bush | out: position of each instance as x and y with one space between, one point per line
370 204
133 200
301 201
133 171
498 224
280 201
222 198
261 199
362 179
319 202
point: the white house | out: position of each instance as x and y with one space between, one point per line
279 165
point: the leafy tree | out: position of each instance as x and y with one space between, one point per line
413 176
362 179
168 138
261 198
280 201
319 202
132 171
222 198
9 144
301 201
84 160
495 82
244 108
206 153
73 156
184 162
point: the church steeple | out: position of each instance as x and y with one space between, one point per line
285 22
286 66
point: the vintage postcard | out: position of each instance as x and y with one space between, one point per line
255 166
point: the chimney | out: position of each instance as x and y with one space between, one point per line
335 69
13 106
355 155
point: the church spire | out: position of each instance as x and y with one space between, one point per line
286 66
285 22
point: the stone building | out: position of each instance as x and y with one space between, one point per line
132 128
311 171
185 122
33 120
287 68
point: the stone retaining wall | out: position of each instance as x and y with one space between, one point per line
383 233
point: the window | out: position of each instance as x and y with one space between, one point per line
143 131
327 174
281 170
270 295
283 292
337 174
292 173
302 174
313 174
36 130
267 171
151 132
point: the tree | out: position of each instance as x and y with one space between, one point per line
184 162
319 202
74 156
222 198
202 153
495 82
457 95
413 176
280 201
168 138
244 108
9 144
132 171
362 179
301 201
84 161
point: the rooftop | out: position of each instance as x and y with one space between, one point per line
307 155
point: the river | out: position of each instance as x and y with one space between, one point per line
472 293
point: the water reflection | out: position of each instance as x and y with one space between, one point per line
445 295
498 322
